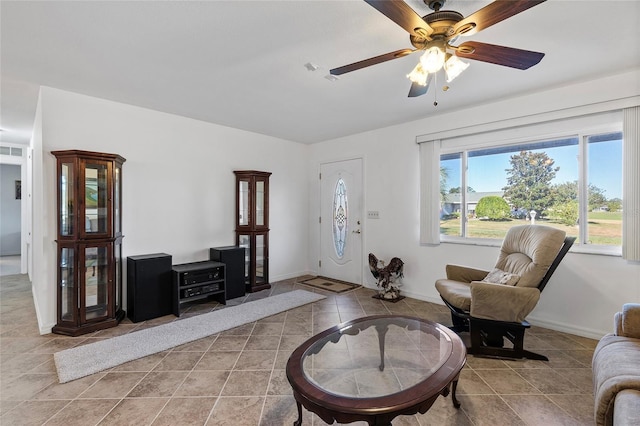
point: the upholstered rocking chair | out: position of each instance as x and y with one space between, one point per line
492 305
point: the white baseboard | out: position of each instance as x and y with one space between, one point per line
42 328
422 297
538 322
578 331
45 329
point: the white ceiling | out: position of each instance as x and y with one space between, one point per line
241 63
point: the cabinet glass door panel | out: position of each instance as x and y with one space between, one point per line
117 188
118 270
244 241
260 259
96 275
95 203
243 203
259 203
66 199
67 285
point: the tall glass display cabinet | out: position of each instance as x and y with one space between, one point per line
89 239
252 226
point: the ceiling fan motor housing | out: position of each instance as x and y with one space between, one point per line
442 23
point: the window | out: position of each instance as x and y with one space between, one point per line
573 183
606 138
11 150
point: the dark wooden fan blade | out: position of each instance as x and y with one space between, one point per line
499 55
492 14
418 89
402 14
371 61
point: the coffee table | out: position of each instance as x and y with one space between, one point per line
376 368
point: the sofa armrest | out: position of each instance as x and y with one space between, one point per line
502 302
626 409
627 322
464 274
615 369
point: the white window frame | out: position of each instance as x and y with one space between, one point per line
513 133
582 148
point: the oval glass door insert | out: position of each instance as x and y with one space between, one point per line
340 217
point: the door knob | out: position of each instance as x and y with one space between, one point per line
357 231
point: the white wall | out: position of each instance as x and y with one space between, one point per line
178 184
41 268
585 291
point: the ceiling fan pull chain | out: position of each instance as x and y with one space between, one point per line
435 91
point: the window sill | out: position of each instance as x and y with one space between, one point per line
615 251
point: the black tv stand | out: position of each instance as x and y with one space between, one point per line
198 281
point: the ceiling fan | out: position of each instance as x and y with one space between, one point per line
435 34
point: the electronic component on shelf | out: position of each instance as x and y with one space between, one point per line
197 291
191 278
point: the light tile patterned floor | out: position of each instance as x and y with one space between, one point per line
238 378
9 265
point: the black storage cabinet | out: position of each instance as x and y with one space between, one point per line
233 258
149 286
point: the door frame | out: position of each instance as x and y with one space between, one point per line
24 161
363 262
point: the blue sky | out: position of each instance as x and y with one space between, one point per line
487 173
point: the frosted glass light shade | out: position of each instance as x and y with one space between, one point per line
454 67
432 60
418 75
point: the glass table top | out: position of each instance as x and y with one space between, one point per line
376 357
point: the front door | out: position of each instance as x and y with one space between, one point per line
341 220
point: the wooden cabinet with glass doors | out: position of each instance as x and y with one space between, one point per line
252 226
89 265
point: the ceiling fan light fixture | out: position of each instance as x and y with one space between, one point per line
433 59
418 75
453 67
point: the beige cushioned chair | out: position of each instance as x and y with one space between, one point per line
493 305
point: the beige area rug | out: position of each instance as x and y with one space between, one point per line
87 359
329 284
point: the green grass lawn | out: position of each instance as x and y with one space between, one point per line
606 216
605 228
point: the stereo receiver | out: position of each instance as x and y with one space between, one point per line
191 278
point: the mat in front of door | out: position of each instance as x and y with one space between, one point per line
329 284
